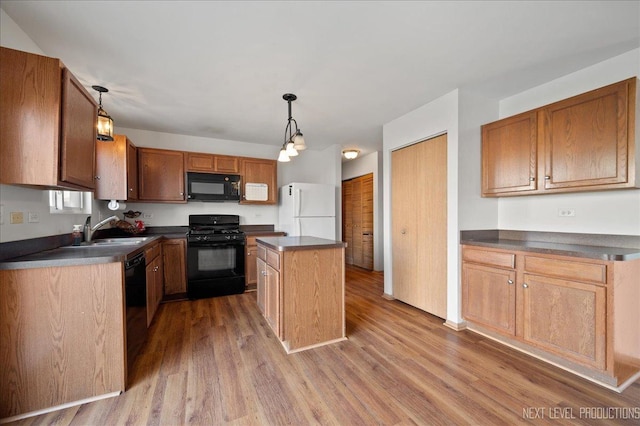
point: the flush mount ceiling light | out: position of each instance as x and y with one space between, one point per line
350 154
293 139
105 122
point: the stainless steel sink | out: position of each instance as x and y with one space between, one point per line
106 242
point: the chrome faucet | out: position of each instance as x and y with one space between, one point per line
88 230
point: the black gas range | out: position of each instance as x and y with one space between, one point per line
215 256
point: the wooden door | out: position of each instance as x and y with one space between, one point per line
419 225
489 297
509 155
367 221
586 138
261 287
347 220
356 207
565 317
404 228
161 175
78 133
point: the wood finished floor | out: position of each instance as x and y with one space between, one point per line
216 361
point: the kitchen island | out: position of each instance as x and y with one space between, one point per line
300 290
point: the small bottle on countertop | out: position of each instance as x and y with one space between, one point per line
77 235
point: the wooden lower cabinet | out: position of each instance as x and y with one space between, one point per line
174 254
565 317
155 280
489 297
62 336
301 295
578 313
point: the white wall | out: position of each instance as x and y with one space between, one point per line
25 200
604 212
437 117
371 163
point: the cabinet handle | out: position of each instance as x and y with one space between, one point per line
155 269
97 177
510 281
130 189
525 285
263 272
532 179
404 231
547 178
181 194
248 253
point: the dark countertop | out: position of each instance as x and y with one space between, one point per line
81 255
299 243
554 245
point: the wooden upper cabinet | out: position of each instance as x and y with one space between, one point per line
258 170
509 150
211 163
161 175
48 121
116 169
587 137
584 143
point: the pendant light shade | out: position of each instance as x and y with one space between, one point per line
293 140
105 122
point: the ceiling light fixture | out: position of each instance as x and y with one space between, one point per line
105 122
293 140
350 154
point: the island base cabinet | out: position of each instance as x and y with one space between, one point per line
62 339
301 295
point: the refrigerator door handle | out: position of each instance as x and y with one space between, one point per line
299 223
298 201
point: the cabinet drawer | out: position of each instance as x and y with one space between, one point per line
571 270
152 252
494 258
262 253
273 259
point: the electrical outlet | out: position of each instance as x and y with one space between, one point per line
33 217
17 217
147 215
566 212
1 214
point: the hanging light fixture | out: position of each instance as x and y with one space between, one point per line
293 139
105 122
350 154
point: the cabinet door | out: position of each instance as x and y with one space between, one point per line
226 164
161 175
566 318
132 171
151 291
509 155
489 297
261 267
30 95
587 137
199 162
111 172
78 133
251 270
174 253
158 281
255 170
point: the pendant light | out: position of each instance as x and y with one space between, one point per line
105 122
293 139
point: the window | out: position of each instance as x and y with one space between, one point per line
69 202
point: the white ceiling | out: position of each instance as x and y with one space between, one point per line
219 69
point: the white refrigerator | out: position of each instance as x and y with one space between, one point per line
308 209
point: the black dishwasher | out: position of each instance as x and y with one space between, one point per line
135 282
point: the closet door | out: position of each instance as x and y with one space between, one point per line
366 196
356 203
419 225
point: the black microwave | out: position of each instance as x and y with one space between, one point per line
212 187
